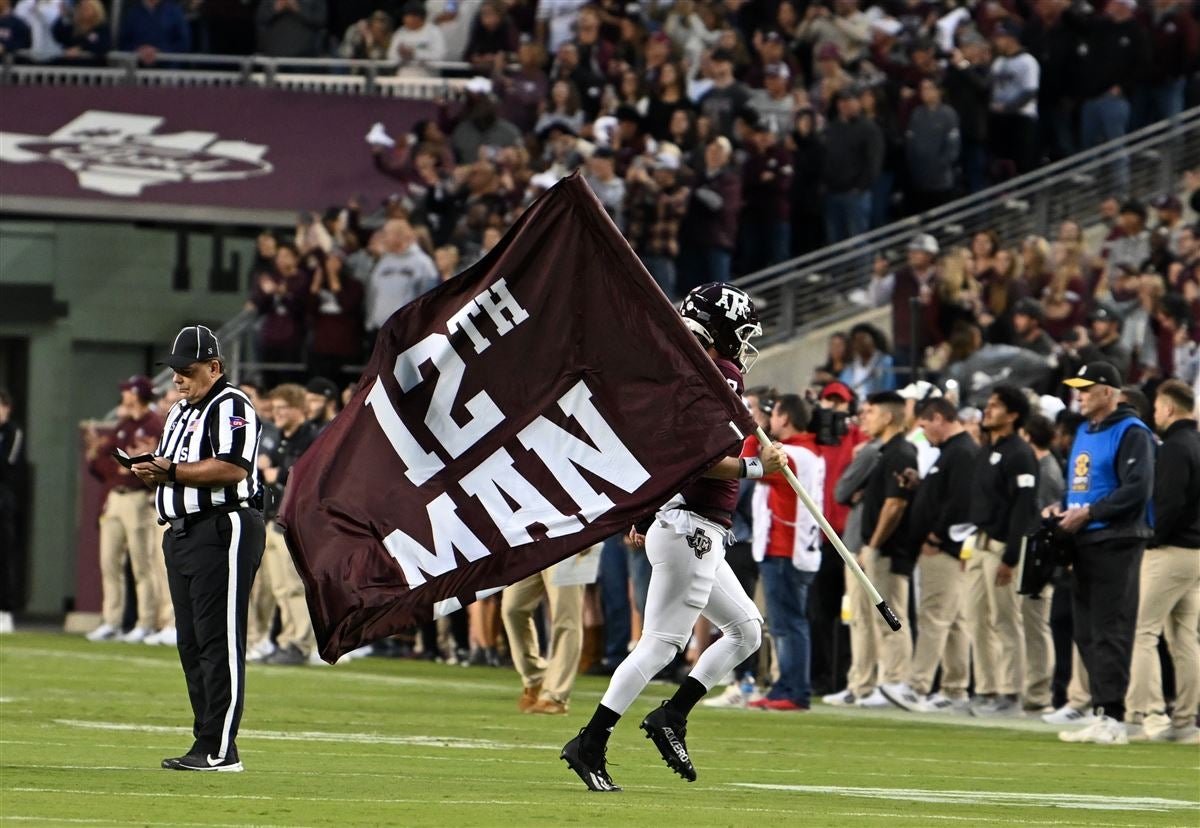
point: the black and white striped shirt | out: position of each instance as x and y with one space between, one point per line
223 425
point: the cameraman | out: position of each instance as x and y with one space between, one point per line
1110 482
837 437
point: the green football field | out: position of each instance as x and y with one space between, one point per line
384 742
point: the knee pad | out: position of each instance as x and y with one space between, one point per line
652 653
747 635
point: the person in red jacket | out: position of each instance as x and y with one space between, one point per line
788 540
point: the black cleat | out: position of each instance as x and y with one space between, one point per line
589 765
206 762
667 729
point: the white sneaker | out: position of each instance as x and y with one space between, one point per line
1103 731
165 636
105 632
901 695
731 699
260 650
6 622
1187 734
937 703
135 636
1067 715
999 707
842 699
875 701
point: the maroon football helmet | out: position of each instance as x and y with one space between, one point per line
723 317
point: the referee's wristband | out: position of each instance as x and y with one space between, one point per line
752 468
171 473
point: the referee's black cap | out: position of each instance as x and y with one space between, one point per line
195 343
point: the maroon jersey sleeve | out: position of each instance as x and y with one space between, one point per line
717 496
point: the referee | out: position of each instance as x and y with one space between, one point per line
207 491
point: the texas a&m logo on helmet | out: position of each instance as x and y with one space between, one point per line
723 317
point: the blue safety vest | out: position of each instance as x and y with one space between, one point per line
1092 467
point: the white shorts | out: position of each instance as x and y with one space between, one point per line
690 577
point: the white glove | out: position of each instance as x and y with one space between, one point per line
378 137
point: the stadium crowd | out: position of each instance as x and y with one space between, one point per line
834 118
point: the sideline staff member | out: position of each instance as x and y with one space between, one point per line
1110 483
208 491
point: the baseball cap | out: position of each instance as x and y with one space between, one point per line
925 243
604 152
479 85
1007 28
1095 373
837 390
777 70
1030 307
920 390
140 385
666 161
1105 312
416 7
1168 202
723 55
322 386
193 344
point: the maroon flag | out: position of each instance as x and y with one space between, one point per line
541 401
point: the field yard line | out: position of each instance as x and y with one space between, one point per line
452 742
82 821
273 797
1030 800
976 819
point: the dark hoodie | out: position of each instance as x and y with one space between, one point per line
1177 490
1124 510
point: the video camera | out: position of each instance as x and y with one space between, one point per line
828 425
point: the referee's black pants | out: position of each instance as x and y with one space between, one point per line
1104 589
210 568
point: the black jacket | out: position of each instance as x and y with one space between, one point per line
1004 494
1124 510
853 154
1177 488
283 457
944 497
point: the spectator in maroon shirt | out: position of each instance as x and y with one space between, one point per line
335 300
521 93
280 298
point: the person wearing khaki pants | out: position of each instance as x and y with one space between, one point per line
296 631
994 619
1169 587
296 641
879 654
125 528
128 513
1004 511
547 683
940 507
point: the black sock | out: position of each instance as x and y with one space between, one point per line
597 731
685 698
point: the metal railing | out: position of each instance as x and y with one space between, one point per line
815 288
339 76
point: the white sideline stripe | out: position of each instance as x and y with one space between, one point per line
453 742
231 630
82 821
1092 802
276 797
